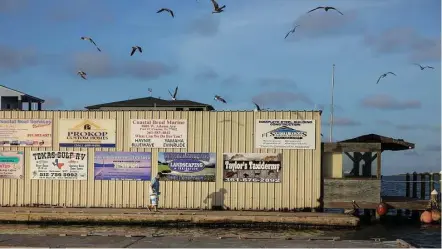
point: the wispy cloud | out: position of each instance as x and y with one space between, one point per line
207 25
433 147
423 127
320 23
206 73
101 65
278 82
387 102
406 40
14 59
6 6
280 99
341 121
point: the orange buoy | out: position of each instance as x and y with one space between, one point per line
382 209
426 217
435 215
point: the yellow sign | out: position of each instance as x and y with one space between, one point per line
87 133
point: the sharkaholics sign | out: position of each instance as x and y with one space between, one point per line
87 133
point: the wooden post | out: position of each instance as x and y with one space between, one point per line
378 162
423 178
414 185
431 184
407 185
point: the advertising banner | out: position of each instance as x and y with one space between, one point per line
123 165
177 166
58 165
252 167
158 133
11 165
26 132
87 132
285 134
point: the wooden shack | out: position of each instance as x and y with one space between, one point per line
362 184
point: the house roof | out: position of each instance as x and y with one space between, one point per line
151 102
387 143
24 94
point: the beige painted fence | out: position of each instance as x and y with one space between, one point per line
220 132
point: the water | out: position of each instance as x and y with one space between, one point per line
395 186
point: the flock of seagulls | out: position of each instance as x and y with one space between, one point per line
385 74
218 9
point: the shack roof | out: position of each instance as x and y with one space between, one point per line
387 143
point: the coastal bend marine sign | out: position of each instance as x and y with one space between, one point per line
158 133
87 133
285 134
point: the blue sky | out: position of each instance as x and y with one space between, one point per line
241 55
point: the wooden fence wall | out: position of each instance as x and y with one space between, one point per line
224 131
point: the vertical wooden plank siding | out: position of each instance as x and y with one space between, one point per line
216 132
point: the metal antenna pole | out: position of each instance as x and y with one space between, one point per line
332 104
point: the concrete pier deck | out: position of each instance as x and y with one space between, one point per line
165 217
97 241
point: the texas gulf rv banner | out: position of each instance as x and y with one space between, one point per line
177 166
252 167
123 165
58 165
285 134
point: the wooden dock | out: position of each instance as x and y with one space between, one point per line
182 217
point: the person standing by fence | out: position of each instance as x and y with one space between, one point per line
155 192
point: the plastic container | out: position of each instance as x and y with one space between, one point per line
153 199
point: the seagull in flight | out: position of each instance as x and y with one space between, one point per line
423 67
174 93
135 48
91 41
219 98
82 74
326 8
216 8
168 10
291 31
257 108
385 75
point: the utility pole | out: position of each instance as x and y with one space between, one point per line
332 104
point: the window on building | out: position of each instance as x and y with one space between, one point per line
179 109
8 106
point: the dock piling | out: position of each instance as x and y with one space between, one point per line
423 193
407 185
414 185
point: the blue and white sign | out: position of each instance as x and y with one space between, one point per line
285 134
177 166
123 165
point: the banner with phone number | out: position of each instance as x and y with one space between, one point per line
58 165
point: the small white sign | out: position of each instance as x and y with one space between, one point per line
158 133
58 165
285 134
